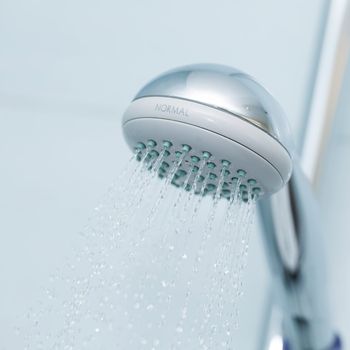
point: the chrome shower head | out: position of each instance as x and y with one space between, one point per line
212 114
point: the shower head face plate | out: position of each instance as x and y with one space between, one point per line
246 148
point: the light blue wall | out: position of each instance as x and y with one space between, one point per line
333 193
93 55
67 72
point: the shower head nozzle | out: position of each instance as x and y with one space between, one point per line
215 116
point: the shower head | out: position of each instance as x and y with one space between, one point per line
217 121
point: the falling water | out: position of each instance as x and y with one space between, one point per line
156 267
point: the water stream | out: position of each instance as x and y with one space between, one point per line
156 267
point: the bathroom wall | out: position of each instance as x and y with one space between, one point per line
333 194
67 72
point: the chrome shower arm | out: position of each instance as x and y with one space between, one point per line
294 245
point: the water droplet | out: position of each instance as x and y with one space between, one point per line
179 329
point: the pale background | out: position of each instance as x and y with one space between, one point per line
68 70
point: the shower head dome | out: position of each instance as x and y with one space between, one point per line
217 110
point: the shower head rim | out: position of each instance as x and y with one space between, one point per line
234 114
203 117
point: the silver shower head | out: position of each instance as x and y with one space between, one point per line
214 114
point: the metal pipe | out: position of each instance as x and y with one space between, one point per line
298 267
